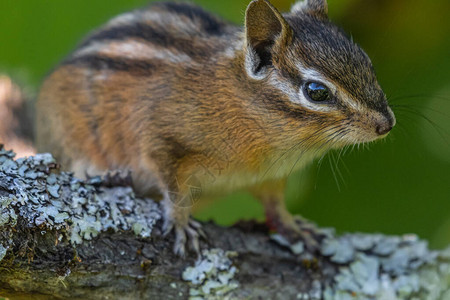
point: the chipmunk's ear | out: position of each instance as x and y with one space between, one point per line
266 31
318 8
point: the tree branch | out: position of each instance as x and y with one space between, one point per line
61 237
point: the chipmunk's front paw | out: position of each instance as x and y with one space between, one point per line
308 232
296 229
188 234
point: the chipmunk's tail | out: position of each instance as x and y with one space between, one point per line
16 121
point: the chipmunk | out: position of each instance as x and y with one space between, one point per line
196 107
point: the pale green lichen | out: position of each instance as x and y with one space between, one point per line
383 267
58 201
365 266
212 277
2 251
315 293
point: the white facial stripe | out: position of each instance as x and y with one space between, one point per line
296 95
313 75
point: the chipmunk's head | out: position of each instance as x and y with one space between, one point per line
321 77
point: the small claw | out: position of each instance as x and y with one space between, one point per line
299 229
167 226
310 242
202 234
304 223
185 234
180 241
193 238
198 227
195 224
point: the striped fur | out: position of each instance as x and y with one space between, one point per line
184 99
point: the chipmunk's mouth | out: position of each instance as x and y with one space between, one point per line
374 127
360 135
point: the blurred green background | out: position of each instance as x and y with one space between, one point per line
400 185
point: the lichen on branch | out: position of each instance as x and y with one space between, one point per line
70 238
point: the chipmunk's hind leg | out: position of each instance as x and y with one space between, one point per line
279 219
177 219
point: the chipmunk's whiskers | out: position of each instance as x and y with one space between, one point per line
417 96
407 110
340 133
330 140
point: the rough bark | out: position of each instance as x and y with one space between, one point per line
61 237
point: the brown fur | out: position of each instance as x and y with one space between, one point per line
199 112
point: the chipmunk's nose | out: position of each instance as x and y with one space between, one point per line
383 128
385 125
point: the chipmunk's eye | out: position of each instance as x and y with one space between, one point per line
317 92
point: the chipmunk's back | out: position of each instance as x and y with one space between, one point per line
169 32
94 107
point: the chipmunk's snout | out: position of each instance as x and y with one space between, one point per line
383 128
385 125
